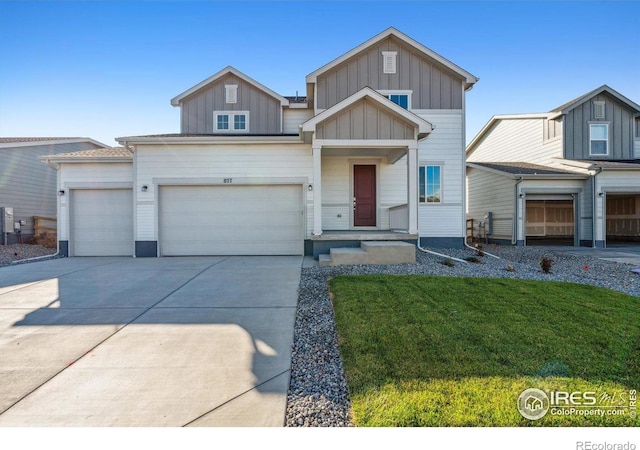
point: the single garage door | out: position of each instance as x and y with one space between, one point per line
231 220
623 218
550 219
101 222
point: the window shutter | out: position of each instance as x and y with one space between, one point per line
231 93
598 110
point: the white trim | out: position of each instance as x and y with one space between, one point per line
604 88
367 143
231 115
469 78
213 140
606 141
52 142
175 101
439 164
389 62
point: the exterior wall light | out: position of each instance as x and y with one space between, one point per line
61 192
310 187
145 188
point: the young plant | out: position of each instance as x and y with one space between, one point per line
472 259
545 264
448 262
510 268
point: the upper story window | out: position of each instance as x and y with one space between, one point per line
231 93
599 139
231 121
401 98
430 184
389 62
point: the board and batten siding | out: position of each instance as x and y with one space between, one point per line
337 189
293 118
433 85
444 147
29 185
197 110
88 176
517 140
255 162
490 192
617 115
364 120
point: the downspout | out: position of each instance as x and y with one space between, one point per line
514 236
593 207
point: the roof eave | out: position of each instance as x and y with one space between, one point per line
52 142
133 140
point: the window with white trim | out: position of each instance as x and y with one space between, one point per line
389 62
599 139
430 184
231 121
400 98
231 93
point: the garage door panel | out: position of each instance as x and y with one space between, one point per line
231 220
102 222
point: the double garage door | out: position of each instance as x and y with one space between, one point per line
193 220
231 220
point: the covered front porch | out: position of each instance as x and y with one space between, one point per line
365 172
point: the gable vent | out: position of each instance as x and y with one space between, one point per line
231 93
389 62
598 110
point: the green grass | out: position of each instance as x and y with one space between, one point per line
441 351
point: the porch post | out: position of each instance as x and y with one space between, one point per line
317 191
412 187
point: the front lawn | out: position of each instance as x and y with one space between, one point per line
441 351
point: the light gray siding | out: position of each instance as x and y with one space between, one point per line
433 85
198 108
365 121
576 129
489 192
28 185
552 129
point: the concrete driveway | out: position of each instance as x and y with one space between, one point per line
628 254
202 341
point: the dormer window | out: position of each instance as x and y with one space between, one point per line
389 62
598 110
231 121
231 93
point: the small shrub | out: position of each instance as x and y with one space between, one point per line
448 262
472 259
545 264
510 268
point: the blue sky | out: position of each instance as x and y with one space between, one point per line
109 69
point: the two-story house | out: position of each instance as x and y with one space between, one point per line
374 151
571 175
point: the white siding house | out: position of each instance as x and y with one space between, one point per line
545 174
374 151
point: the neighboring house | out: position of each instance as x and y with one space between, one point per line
542 176
28 186
375 151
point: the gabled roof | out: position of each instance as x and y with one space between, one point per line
175 101
500 117
589 95
526 170
424 127
6 142
470 79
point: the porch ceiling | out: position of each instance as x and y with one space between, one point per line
392 155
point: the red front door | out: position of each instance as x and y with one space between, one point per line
364 196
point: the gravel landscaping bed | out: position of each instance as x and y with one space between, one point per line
318 394
19 252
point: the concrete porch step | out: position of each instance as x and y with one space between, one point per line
371 252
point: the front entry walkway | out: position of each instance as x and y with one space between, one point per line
147 342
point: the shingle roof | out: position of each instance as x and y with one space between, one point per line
604 88
523 168
296 99
11 140
110 152
623 164
179 135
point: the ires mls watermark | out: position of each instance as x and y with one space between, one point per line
534 404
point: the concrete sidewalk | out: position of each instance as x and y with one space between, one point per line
623 254
202 341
